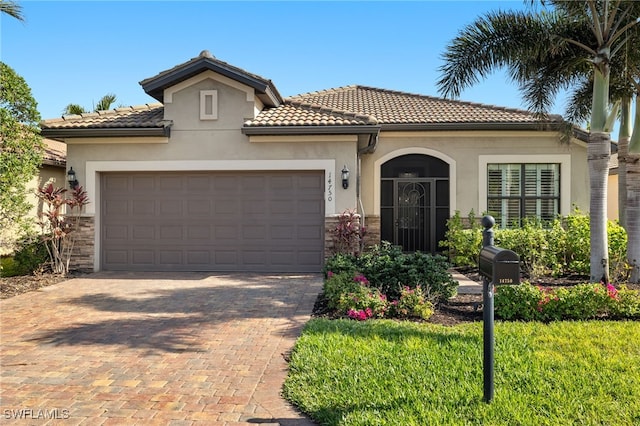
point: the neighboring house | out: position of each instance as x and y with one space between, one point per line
223 174
51 170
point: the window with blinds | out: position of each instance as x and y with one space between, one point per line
516 191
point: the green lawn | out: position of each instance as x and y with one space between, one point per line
386 372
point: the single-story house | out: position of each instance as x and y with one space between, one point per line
224 174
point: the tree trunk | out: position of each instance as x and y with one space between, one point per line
633 216
598 153
633 199
623 151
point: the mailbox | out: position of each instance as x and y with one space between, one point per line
500 266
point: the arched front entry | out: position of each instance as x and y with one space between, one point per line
414 202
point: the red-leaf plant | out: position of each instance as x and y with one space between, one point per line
59 218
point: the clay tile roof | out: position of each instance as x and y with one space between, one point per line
303 114
55 153
393 107
143 116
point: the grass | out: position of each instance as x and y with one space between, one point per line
387 372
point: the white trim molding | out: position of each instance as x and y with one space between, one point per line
208 105
94 168
169 91
377 167
565 175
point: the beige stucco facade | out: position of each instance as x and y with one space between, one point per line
55 175
207 115
467 154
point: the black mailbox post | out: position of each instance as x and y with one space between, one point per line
497 266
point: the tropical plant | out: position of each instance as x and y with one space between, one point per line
59 220
21 152
546 52
104 103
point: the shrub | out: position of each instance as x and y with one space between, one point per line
363 303
625 303
57 228
348 235
463 244
337 284
354 297
413 303
30 258
584 301
388 270
559 247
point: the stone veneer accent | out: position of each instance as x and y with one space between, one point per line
372 235
82 258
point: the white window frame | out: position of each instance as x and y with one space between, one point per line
565 175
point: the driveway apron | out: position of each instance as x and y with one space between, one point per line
153 348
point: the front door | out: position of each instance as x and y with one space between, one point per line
412 214
414 202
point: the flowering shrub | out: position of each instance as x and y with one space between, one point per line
412 303
581 302
353 296
389 269
364 299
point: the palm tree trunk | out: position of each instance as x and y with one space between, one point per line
633 199
598 155
623 150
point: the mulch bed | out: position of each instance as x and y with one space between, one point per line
13 286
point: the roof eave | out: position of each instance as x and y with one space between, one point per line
470 126
310 130
154 87
105 132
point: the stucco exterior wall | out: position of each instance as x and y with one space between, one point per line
54 174
462 150
196 144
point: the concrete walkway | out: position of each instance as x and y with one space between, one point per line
465 285
165 349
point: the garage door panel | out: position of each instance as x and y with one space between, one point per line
169 257
199 207
116 232
143 257
170 208
199 232
143 183
309 207
142 232
213 221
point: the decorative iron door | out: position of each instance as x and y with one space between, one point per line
413 214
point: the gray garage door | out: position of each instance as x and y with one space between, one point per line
205 221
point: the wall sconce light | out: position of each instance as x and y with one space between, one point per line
345 177
71 178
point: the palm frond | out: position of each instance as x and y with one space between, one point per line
105 102
12 9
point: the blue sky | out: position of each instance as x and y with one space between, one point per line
75 52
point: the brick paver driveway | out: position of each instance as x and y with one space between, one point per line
124 348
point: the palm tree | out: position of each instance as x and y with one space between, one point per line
104 103
546 52
12 9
